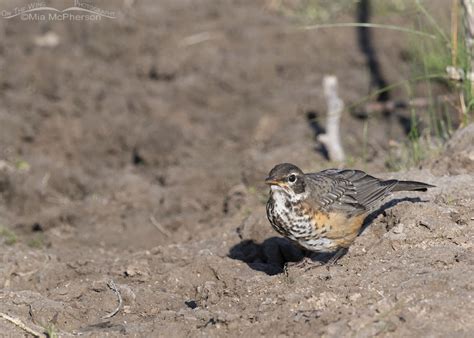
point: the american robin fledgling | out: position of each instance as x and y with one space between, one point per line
324 211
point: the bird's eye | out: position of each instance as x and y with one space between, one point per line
292 178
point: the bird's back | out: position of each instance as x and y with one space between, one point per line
353 191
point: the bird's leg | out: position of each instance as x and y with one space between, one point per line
339 253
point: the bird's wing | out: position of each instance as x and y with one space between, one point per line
353 191
330 192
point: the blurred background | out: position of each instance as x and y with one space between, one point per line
165 108
156 125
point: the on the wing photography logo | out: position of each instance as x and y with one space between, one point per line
40 11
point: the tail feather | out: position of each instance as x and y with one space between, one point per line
411 186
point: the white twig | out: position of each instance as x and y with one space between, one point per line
113 287
197 38
157 225
20 324
335 106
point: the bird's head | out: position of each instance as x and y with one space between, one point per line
288 178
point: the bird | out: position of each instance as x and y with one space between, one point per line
323 212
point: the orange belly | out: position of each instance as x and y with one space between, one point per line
339 228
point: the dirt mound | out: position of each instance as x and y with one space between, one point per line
412 264
458 156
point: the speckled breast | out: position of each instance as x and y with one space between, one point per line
297 222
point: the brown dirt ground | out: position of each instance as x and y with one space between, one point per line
132 151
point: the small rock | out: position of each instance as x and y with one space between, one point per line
191 304
398 229
354 297
138 269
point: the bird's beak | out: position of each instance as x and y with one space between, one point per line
271 181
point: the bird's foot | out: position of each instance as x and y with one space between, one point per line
305 264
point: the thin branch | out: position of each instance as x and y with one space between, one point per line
418 102
395 85
197 38
454 32
370 25
468 6
20 324
113 287
157 225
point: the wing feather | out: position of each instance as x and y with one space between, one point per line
352 191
